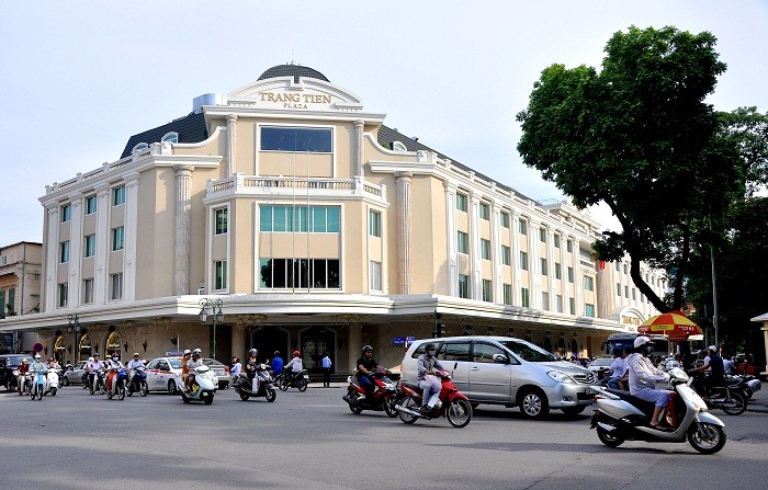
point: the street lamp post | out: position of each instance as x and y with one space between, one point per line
215 306
73 327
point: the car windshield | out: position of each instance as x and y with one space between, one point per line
16 360
527 351
212 362
175 363
601 361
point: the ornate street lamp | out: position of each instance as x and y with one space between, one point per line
215 306
73 327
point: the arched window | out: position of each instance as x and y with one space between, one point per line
60 349
172 137
399 146
85 347
113 344
139 147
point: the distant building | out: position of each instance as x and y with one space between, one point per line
20 268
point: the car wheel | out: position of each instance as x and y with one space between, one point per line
66 381
172 387
533 404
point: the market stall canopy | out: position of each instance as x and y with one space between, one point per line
673 324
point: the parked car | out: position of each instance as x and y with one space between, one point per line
74 374
8 364
220 370
600 365
508 371
164 374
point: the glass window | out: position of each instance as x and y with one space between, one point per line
63 294
482 352
299 273
589 310
88 291
283 138
572 306
265 218
524 261
90 205
487 290
117 286
333 219
220 275
118 238
558 271
504 218
463 286
625 268
334 279
118 196
544 268
89 250
528 351
569 246
461 202
618 289
618 266
485 249
220 218
319 219
319 274
485 211
525 297
523 227
64 252
626 291
453 351
374 218
557 241
375 276
463 242
544 301
570 275
633 294
139 147
172 137
559 303
543 235
589 283
507 294
66 213
506 255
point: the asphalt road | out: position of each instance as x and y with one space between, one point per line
311 440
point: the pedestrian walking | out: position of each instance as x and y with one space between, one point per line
326 364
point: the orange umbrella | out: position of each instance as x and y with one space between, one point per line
673 324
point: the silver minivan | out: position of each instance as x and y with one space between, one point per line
508 371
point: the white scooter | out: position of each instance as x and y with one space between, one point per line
52 382
38 386
620 417
203 386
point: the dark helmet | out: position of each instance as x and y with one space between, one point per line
429 347
367 348
253 352
277 352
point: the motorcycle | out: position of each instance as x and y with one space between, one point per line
264 386
24 382
383 398
294 380
138 382
620 417
116 382
450 402
96 383
751 385
52 382
731 397
203 386
38 386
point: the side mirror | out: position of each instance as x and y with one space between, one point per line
500 359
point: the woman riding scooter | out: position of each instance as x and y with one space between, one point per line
643 377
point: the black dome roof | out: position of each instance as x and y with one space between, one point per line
295 71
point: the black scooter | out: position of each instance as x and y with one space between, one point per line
244 385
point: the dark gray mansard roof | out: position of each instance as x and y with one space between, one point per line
295 71
191 129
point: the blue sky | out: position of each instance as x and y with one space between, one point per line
79 78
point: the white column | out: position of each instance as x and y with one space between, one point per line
564 272
75 248
103 206
403 181
577 280
51 263
131 233
498 289
534 264
476 288
357 156
450 229
183 229
517 282
551 268
231 143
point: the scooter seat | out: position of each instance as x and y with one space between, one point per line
645 406
412 385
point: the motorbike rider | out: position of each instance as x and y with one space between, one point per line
295 366
195 362
184 369
234 369
37 367
365 367
643 376
277 363
250 369
23 369
428 365
716 375
133 364
94 368
616 370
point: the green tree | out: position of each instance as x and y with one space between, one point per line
638 136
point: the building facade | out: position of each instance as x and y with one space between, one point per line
20 268
318 227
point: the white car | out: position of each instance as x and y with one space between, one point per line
164 374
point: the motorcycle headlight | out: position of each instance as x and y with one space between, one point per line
561 377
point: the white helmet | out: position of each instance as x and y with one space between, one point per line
253 352
197 352
187 351
90 359
641 341
712 348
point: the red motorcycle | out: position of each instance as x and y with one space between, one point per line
452 404
383 397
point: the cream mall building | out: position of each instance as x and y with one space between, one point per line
320 229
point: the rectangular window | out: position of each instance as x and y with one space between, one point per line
523 227
507 294
89 249
525 297
10 306
118 196
558 271
118 238
544 301
485 211
634 294
462 242
463 286
618 266
625 268
569 245
116 286
626 291
559 303
557 241
90 205
63 295
618 289
64 252
504 218
589 310
570 275
220 275
317 219
543 235
523 261
88 291
66 213
572 306
506 255
2 304
589 283
485 249
544 268
374 218
283 138
487 290
461 202
299 273
220 219
375 276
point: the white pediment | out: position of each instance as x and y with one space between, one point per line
309 94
